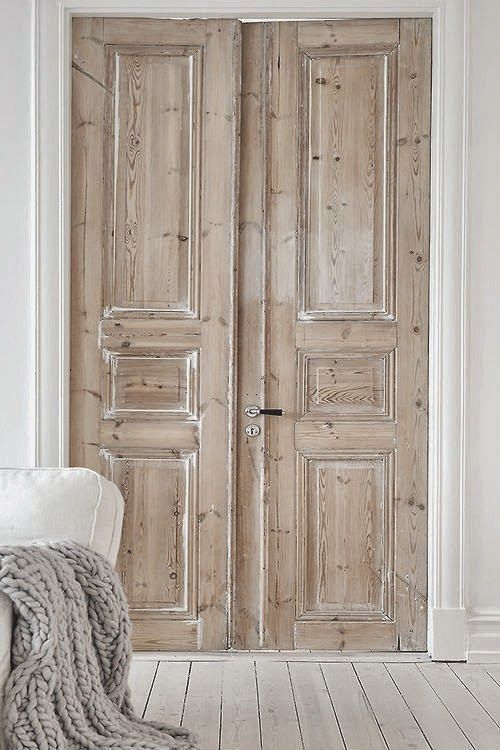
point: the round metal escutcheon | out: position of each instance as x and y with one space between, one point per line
252 430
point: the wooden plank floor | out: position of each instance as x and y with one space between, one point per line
304 701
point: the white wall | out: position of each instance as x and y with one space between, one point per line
16 365
483 464
482 560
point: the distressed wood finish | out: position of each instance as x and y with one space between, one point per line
87 209
412 384
344 165
153 217
279 581
325 543
344 519
250 510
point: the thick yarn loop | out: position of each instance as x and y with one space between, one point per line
71 655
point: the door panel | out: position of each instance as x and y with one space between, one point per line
155 131
324 544
343 245
154 162
343 195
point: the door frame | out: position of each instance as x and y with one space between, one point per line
50 251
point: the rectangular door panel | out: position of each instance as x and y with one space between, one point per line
159 536
344 522
153 227
340 257
154 148
346 170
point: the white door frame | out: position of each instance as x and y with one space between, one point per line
449 259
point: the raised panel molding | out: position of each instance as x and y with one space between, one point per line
155 385
347 182
153 143
159 540
345 511
357 385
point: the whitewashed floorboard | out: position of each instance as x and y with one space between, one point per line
240 712
202 710
400 730
166 701
280 728
357 721
482 686
140 680
479 727
272 703
437 724
317 720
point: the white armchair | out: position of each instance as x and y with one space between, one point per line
75 504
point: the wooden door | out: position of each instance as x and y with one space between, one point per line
154 159
331 514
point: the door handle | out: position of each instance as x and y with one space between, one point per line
255 411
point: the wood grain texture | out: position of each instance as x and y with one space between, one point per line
343 635
249 520
155 234
331 297
413 139
88 48
150 632
153 282
87 113
146 335
158 552
355 716
341 386
342 337
343 517
146 386
343 201
337 295
280 349
123 436
350 37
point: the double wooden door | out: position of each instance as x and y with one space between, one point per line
250 227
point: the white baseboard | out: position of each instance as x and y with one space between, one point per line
483 629
449 634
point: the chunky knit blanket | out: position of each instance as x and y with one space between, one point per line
71 655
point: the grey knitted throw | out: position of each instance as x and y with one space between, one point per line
71 655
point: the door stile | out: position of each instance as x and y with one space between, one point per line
412 387
250 509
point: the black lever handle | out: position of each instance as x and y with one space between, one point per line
272 412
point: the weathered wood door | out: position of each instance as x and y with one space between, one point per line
153 206
323 543
331 511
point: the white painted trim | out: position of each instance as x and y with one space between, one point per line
448 294
483 627
34 395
